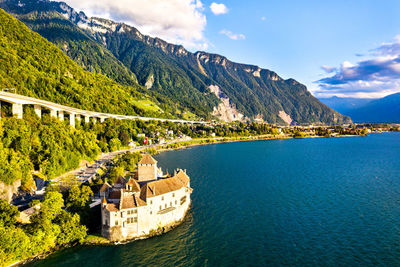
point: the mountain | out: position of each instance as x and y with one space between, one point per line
46 19
385 110
197 79
39 69
345 105
201 83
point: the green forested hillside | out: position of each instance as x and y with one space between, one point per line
170 79
37 68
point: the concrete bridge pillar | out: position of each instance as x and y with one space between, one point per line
38 110
94 120
17 110
61 115
78 117
87 119
53 113
102 119
72 120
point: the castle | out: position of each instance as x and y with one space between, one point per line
144 204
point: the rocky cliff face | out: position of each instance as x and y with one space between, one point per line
8 191
225 111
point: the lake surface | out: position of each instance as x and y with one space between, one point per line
303 202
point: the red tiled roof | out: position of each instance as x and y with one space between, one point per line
134 184
182 176
160 187
119 180
104 187
111 207
131 201
147 159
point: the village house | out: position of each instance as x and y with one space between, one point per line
144 204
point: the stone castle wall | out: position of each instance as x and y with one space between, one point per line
147 172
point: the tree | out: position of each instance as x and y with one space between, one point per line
71 229
50 207
115 144
124 137
8 213
115 172
78 198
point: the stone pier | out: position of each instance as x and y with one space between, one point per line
17 110
87 119
38 110
53 113
61 115
72 120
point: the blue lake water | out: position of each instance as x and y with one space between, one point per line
303 202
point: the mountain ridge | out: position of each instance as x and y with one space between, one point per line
169 70
382 110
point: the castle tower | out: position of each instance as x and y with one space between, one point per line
147 168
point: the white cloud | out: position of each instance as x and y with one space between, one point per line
263 18
328 69
376 76
177 21
233 36
218 9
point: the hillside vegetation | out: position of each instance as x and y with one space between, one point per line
37 68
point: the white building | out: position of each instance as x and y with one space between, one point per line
145 205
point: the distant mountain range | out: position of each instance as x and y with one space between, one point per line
384 110
344 104
203 84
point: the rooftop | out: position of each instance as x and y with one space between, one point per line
147 159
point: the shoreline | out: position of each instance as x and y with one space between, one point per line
160 149
202 142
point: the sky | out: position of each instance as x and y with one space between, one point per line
335 47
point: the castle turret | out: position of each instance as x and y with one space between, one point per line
104 202
147 168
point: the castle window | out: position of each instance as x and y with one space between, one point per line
151 202
134 211
183 200
176 202
132 220
151 212
170 204
162 198
165 205
116 222
173 194
160 207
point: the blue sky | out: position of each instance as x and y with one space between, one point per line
355 41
